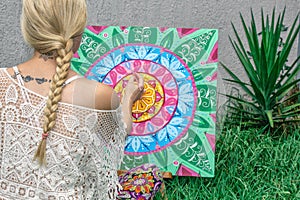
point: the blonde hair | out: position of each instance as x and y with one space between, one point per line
49 26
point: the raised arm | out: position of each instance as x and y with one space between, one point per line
132 93
107 99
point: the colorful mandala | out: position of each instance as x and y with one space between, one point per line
174 120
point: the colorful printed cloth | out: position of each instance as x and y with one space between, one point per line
140 183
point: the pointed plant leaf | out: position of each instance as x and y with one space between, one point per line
238 82
289 108
253 105
270 118
297 94
237 79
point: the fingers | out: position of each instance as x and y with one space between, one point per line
132 79
135 87
139 79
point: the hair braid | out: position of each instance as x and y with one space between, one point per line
63 64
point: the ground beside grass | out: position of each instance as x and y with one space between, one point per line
248 166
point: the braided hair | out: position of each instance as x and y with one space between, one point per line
49 26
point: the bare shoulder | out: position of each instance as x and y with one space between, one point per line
9 70
106 98
92 94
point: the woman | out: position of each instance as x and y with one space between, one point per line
64 142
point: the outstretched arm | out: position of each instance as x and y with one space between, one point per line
133 92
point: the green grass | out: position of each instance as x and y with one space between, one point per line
248 166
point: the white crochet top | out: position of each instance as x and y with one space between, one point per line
84 150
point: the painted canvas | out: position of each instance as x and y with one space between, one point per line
174 121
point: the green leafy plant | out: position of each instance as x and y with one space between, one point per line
270 78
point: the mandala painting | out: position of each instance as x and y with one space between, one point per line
174 121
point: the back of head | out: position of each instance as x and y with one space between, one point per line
47 25
50 26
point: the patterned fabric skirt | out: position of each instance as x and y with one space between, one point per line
140 183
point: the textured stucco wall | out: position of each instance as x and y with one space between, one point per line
166 13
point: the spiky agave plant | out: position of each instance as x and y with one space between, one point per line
270 79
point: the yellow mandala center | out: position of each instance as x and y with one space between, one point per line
150 102
146 101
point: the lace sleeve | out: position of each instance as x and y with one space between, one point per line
106 145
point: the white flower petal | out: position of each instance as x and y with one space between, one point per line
142 52
165 62
187 97
102 70
182 107
151 56
162 134
132 55
186 88
118 59
146 139
178 74
172 131
176 121
108 62
135 143
174 65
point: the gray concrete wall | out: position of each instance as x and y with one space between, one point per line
166 13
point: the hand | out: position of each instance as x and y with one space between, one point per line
135 88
